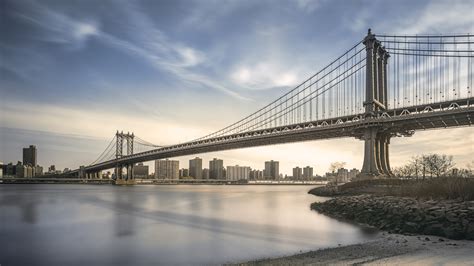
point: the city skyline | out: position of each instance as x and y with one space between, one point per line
206 88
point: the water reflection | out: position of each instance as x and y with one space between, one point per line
144 225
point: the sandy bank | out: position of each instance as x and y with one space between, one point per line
387 249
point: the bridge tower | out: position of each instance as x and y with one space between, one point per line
376 149
121 139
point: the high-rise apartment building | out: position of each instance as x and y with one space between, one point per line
308 172
297 173
195 168
29 156
216 169
167 169
237 172
272 170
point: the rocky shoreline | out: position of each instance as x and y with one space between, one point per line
446 218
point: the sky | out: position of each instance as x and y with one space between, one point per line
74 72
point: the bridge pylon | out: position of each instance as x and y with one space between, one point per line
121 139
376 148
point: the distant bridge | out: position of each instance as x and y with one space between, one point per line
384 86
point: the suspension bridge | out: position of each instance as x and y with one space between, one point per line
384 86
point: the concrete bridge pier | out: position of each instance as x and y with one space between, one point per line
119 179
128 179
130 175
376 154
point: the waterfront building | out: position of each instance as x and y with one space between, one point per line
342 175
308 172
237 173
297 173
20 170
195 168
272 170
37 170
256 175
140 170
183 173
29 155
216 169
205 173
353 174
10 169
167 169
52 169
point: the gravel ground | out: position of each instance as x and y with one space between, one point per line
388 249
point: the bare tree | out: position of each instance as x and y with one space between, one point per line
438 165
432 164
336 165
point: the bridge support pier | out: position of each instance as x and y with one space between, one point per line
130 175
376 154
128 179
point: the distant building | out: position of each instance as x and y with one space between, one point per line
10 169
353 173
256 175
1 169
52 169
183 173
342 175
37 170
140 170
205 173
308 172
29 155
272 170
237 172
167 169
216 169
297 173
21 171
195 168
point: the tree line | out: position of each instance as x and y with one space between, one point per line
432 165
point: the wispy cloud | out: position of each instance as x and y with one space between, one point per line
309 5
147 42
456 16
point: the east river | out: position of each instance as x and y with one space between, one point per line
168 224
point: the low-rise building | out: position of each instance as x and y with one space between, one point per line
140 170
205 173
256 175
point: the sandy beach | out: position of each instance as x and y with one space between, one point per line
388 249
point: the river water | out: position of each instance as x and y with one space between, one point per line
167 224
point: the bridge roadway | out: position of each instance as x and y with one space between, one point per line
397 121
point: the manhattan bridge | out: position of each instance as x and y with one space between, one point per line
384 86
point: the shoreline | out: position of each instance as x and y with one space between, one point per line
385 249
404 223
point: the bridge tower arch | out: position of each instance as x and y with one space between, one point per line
376 147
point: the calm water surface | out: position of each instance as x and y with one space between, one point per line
172 225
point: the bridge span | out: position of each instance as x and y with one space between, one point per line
385 86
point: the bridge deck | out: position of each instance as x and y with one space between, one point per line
422 117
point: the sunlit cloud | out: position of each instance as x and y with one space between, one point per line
262 76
